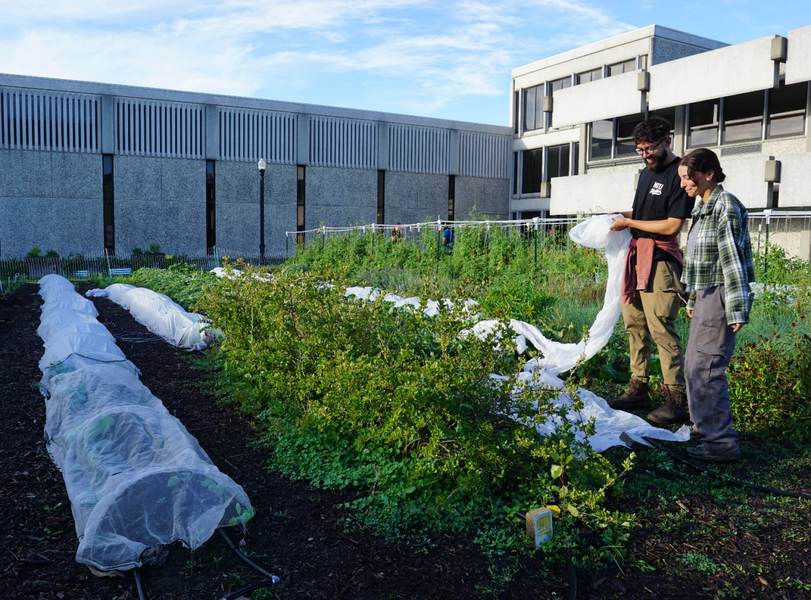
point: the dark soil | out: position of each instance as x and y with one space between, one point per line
298 533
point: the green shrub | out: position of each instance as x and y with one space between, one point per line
770 384
403 407
183 282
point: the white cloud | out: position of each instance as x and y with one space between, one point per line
416 53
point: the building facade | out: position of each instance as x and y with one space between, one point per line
573 114
86 167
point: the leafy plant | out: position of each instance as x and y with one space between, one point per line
700 562
405 409
770 383
34 252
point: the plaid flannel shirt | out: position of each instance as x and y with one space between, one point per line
722 253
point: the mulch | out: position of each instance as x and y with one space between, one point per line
297 533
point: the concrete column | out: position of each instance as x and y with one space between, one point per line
382 146
453 149
679 131
805 242
807 112
584 149
303 140
107 125
212 132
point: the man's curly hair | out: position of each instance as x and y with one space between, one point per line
651 130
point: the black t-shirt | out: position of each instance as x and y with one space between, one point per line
658 197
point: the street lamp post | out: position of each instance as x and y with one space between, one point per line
262 166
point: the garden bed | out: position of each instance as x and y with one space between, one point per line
694 538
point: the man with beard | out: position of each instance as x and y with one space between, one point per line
652 291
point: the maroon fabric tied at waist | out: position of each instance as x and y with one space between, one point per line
639 263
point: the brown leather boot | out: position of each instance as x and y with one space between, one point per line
636 397
674 410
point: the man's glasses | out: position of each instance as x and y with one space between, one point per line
650 150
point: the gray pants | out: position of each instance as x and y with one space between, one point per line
709 351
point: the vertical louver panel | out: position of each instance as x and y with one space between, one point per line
483 155
347 143
40 120
419 149
152 128
248 135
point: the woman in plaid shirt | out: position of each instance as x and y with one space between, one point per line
718 269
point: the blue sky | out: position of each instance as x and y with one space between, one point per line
423 57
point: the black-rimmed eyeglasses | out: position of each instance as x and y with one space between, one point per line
650 149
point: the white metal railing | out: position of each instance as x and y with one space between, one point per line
522 224
248 135
46 120
154 128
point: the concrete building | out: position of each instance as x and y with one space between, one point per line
91 166
86 167
573 114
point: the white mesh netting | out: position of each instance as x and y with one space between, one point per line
135 477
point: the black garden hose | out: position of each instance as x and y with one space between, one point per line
250 588
245 558
138 585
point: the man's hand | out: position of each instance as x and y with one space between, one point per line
737 327
690 312
620 223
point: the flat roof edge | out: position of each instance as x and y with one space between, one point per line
617 40
149 93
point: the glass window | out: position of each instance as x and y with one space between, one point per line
703 124
108 191
625 66
576 158
515 173
533 163
516 96
558 84
557 164
602 134
588 76
533 108
625 139
300 196
787 110
743 118
211 206
668 114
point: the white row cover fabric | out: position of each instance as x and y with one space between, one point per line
160 314
431 309
135 477
594 233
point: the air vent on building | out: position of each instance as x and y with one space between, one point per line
742 149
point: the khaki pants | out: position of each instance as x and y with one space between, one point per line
653 315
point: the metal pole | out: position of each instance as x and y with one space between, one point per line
536 243
261 216
768 214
